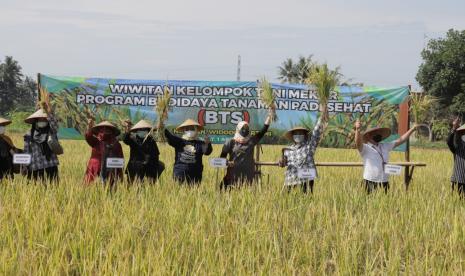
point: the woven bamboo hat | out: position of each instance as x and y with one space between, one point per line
461 130
39 114
96 128
289 133
383 131
142 124
189 122
4 122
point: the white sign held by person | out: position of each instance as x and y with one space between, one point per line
115 163
392 169
219 162
306 173
22 159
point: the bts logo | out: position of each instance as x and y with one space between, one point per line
206 117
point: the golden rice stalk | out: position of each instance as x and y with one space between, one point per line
324 80
420 105
44 99
267 96
162 107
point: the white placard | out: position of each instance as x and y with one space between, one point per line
23 159
392 169
306 173
115 163
219 162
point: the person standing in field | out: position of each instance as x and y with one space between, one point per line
240 153
104 142
41 142
375 154
456 143
299 157
144 156
7 149
189 150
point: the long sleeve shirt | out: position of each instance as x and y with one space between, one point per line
457 147
300 156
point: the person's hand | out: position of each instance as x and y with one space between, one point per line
127 125
416 126
90 123
207 139
230 163
358 125
282 163
456 123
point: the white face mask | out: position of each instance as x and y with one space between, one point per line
463 137
190 134
42 124
298 138
2 129
142 134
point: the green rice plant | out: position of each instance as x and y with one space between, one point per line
162 108
267 96
324 80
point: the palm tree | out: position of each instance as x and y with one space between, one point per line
10 73
287 71
302 68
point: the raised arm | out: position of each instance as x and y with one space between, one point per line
405 137
453 139
172 139
259 135
318 129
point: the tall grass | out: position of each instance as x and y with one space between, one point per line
167 229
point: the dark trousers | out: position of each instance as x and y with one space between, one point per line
304 186
47 174
460 188
371 186
190 180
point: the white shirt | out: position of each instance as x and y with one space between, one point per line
373 167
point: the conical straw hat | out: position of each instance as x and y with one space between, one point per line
142 124
105 124
189 122
39 114
383 131
4 122
288 133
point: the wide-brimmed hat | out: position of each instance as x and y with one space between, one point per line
142 124
4 122
383 131
288 133
39 114
461 129
189 122
105 124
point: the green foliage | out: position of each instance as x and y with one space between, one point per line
442 73
18 125
295 72
440 129
17 92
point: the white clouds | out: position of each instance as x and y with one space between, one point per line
376 42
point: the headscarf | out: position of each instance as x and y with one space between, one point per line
238 137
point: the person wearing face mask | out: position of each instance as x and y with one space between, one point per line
456 143
300 155
189 150
7 149
375 154
144 155
240 149
104 142
44 162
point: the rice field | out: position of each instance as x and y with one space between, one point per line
165 229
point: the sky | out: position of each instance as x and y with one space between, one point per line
374 42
